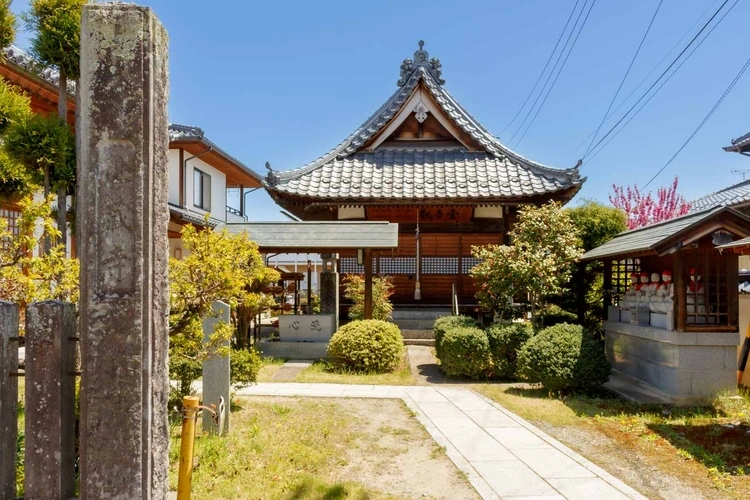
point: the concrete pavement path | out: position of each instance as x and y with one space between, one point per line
503 455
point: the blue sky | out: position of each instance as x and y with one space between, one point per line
284 82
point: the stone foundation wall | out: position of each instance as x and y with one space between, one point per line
685 366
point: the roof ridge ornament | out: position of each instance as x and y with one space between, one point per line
421 59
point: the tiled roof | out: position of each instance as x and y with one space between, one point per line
648 238
739 144
317 235
420 174
497 160
25 61
738 194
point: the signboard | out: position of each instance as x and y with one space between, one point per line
306 327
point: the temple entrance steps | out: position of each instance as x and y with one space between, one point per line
416 323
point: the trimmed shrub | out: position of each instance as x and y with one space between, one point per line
564 358
367 346
505 341
465 351
244 367
445 323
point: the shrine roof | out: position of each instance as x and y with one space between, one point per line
356 160
732 196
300 237
665 237
739 144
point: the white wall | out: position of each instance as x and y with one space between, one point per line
218 185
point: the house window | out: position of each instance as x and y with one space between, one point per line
12 218
201 190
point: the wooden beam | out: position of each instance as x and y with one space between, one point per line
368 283
182 177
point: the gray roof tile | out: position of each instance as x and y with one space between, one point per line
738 194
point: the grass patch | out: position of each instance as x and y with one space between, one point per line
323 372
276 451
715 437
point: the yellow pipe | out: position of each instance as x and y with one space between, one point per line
185 475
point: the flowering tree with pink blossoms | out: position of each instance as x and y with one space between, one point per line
643 209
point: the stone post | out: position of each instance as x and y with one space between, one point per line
50 395
329 288
216 370
122 233
8 398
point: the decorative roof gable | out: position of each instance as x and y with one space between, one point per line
420 95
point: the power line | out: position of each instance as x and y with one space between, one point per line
622 103
546 65
622 82
703 122
558 72
662 75
549 77
640 108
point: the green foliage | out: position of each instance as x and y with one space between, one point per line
7 24
564 358
382 289
505 340
465 351
218 267
367 346
25 277
42 142
545 244
16 181
245 365
554 315
15 106
597 224
56 28
445 323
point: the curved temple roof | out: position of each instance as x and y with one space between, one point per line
421 171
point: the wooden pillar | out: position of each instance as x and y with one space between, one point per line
368 283
242 200
607 286
680 284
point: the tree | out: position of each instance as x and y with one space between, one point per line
218 266
56 42
537 264
25 278
382 289
643 209
7 24
597 224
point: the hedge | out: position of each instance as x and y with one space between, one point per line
367 346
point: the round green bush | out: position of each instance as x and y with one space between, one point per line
564 358
465 351
505 342
244 365
445 323
367 346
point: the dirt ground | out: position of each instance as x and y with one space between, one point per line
397 455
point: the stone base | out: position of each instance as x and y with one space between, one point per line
686 367
294 350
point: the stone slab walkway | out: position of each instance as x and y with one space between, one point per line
424 367
291 369
503 455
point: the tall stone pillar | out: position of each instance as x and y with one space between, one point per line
122 233
8 397
216 370
329 287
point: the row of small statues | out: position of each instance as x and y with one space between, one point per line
657 292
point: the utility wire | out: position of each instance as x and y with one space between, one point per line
677 68
661 76
546 65
622 103
703 122
549 77
558 74
622 82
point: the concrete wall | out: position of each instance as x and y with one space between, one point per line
684 366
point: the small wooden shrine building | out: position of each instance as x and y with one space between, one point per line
424 162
